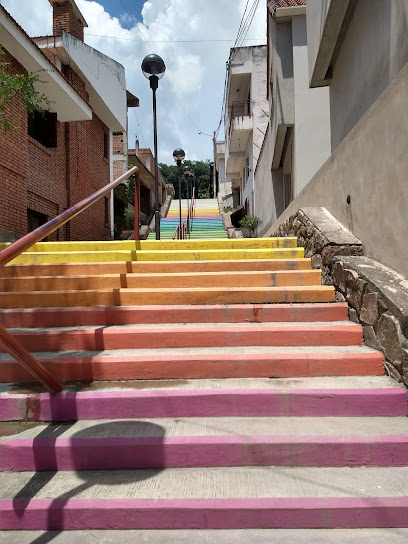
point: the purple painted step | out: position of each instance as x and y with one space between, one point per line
84 454
290 513
69 406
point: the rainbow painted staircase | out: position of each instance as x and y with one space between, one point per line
198 397
205 224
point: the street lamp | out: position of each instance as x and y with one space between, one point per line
153 68
179 155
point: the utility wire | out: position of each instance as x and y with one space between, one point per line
167 41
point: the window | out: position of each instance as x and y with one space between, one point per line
42 126
106 145
107 214
35 219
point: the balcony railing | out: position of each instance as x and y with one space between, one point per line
239 109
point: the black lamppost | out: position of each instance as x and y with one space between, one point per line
153 68
179 155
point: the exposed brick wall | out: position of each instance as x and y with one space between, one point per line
48 180
14 162
65 19
75 81
118 143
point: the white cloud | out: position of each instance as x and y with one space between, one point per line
195 70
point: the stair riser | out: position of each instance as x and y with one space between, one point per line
157 267
146 297
285 513
44 454
200 367
222 279
68 317
106 339
222 403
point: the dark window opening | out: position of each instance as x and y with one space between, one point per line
107 214
42 126
35 219
105 145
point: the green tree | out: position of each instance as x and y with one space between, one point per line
202 177
22 85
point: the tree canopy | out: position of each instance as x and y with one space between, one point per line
201 176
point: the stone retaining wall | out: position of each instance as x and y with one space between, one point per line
377 295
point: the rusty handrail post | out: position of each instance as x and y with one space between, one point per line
27 361
136 234
28 240
9 343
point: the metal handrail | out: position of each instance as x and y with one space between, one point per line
176 233
9 343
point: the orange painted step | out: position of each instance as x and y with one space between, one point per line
129 315
130 297
156 267
179 280
281 365
181 336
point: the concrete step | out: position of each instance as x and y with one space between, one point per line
156 267
64 256
158 245
206 498
176 280
126 315
161 296
250 397
201 363
204 442
181 335
211 536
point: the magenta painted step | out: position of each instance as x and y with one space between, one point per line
67 406
128 315
190 336
49 454
285 513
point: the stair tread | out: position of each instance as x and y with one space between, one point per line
208 483
182 326
287 385
210 536
338 429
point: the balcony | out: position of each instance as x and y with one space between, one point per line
239 128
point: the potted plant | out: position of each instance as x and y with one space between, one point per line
249 225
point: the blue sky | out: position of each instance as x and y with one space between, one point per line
194 38
119 9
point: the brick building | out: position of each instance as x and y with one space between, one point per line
54 161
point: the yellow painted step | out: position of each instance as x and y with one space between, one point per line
167 296
178 280
187 255
156 267
163 245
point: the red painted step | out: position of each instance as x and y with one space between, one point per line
343 334
129 315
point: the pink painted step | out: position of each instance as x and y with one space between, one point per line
191 336
290 513
85 454
67 406
128 315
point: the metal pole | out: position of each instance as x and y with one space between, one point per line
179 184
188 200
154 81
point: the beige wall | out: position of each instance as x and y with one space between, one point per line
371 166
312 113
373 52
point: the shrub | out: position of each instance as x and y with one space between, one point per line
250 224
